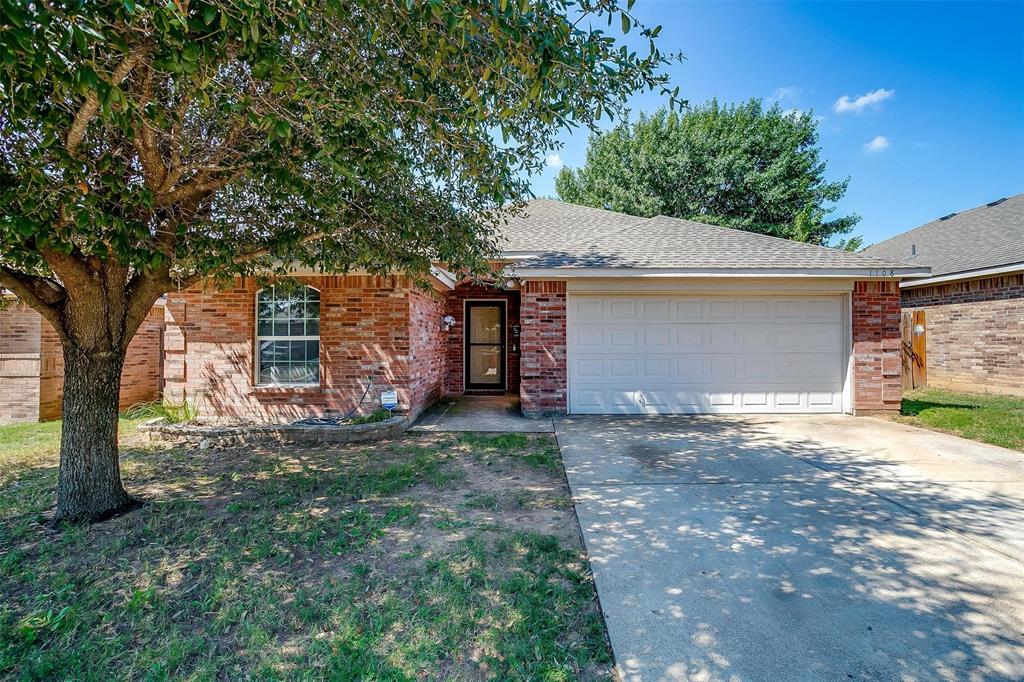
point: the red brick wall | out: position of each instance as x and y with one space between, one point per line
454 382
968 291
141 376
428 347
974 333
32 365
543 364
364 332
19 363
876 346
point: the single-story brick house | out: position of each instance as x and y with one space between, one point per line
974 299
32 364
599 312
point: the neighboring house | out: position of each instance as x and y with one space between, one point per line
32 365
973 300
600 312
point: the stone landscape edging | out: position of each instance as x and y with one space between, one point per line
158 430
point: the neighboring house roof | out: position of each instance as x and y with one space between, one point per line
982 238
556 235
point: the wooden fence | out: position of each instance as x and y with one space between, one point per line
915 350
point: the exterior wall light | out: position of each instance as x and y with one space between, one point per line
447 322
918 329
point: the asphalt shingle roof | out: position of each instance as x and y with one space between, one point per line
550 223
984 237
560 235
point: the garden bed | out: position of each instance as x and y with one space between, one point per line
198 434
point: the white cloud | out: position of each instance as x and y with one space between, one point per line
787 93
554 161
858 104
878 144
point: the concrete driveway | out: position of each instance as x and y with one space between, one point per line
800 548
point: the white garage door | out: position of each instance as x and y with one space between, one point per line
688 354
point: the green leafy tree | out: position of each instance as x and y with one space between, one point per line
739 166
148 145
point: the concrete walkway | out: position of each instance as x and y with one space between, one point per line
479 413
800 548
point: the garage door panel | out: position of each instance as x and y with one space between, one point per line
653 310
755 399
664 354
690 310
588 309
622 367
655 368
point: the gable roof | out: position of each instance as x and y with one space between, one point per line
548 223
987 236
561 236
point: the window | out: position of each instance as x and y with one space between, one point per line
288 336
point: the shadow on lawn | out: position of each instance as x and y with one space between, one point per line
912 408
729 550
288 561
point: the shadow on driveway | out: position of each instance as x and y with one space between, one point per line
771 548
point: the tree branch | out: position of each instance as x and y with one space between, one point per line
92 102
153 168
40 293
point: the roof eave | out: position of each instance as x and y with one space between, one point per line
965 274
816 273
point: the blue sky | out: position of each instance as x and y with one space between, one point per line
945 87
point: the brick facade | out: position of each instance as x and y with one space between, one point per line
428 347
19 363
877 365
974 332
543 372
370 326
32 365
455 307
385 328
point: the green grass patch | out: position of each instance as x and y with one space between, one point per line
390 562
378 415
538 451
994 419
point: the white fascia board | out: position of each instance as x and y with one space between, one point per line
710 285
968 274
654 273
443 276
515 256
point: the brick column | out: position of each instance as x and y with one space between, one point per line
877 380
542 386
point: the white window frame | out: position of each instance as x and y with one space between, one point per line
259 339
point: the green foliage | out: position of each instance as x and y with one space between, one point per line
182 140
853 244
377 415
739 166
145 146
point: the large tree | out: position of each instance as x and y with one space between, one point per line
146 146
743 166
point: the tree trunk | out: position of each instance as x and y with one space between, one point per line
89 485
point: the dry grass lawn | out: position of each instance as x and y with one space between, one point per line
430 557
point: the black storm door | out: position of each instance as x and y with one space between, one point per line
485 344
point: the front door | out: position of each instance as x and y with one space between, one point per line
485 345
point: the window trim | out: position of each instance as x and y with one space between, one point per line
256 383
